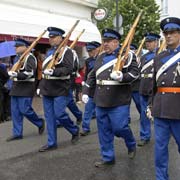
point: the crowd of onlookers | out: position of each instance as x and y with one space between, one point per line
5 85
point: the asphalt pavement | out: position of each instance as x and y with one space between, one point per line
20 160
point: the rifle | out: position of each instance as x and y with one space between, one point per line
21 60
58 53
162 46
76 40
126 45
140 47
101 48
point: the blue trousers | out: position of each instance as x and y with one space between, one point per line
113 122
145 123
164 128
88 114
136 98
72 107
20 107
54 109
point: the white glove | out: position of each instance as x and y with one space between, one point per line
83 83
148 113
117 75
12 74
38 92
48 71
85 98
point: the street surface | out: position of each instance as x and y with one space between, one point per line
20 160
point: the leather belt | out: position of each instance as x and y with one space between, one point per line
109 82
26 80
54 77
169 89
147 75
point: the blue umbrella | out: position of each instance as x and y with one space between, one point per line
7 49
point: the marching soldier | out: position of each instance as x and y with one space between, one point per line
112 98
55 87
145 88
166 99
72 106
22 92
93 50
135 85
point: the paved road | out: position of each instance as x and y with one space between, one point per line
20 160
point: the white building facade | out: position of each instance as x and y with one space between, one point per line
29 18
169 8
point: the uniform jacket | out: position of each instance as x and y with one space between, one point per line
146 80
24 84
166 105
112 95
61 85
89 66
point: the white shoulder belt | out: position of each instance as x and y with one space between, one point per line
165 66
147 65
104 67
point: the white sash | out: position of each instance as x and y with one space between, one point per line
25 62
165 66
147 65
47 60
104 67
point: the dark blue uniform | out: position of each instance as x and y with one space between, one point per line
90 105
145 89
166 99
22 92
112 99
55 90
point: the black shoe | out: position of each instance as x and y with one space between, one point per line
84 133
75 138
41 129
47 148
132 153
78 121
13 138
101 164
143 142
59 126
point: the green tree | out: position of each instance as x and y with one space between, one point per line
129 10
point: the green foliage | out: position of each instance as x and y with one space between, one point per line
129 10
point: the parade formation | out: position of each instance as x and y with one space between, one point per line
115 72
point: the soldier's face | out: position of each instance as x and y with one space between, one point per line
55 40
93 52
110 45
172 38
151 45
20 49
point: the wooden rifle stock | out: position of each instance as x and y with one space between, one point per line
125 55
140 47
101 48
58 53
21 60
127 41
76 40
162 46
